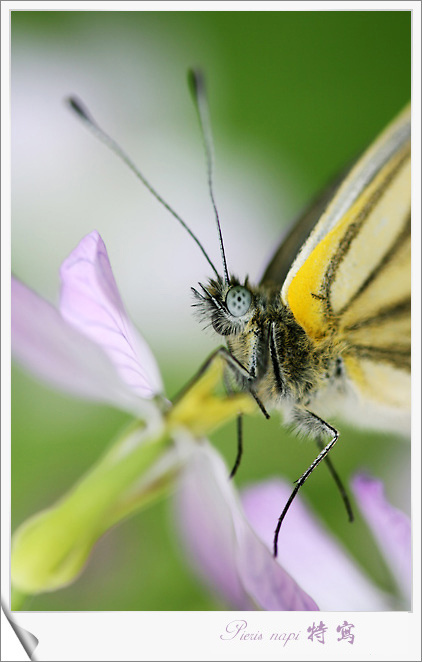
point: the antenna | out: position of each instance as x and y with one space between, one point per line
197 85
77 106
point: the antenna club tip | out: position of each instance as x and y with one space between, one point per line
76 105
196 81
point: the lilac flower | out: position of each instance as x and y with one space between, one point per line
390 528
89 348
216 531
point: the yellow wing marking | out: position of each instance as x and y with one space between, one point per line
355 287
344 260
362 174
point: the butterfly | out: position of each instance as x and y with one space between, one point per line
327 330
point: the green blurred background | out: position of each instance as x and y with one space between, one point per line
294 96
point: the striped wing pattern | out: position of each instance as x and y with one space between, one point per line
354 284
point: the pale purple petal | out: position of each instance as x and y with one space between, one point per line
389 526
223 547
91 302
306 550
44 343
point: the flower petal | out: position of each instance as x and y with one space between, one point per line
223 547
308 552
389 526
44 343
91 302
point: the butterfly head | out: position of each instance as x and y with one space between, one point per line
226 306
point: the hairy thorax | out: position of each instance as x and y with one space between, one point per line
284 363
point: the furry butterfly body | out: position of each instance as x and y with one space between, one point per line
327 331
331 334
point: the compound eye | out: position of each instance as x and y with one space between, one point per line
238 300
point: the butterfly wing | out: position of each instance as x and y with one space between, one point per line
351 280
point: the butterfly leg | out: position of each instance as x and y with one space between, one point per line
306 419
239 369
239 428
240 435
231 362
245 377
338 482
240 419
239 446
